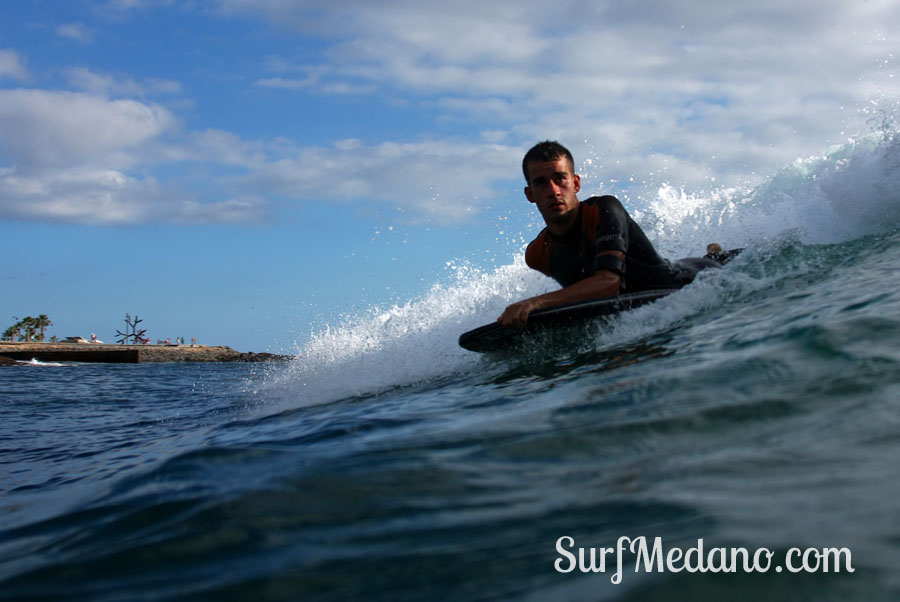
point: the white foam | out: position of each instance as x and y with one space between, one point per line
850 192
37 362
406 343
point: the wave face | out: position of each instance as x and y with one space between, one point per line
757 407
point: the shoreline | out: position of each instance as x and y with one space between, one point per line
129 354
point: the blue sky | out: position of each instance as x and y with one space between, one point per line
244 171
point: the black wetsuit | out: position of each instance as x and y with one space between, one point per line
603 225
723 257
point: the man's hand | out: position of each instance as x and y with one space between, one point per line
602 284
516 315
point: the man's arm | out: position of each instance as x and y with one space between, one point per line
604 283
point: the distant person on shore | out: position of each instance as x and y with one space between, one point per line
593 249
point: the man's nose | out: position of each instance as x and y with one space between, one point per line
555 188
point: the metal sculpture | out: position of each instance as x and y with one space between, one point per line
131 333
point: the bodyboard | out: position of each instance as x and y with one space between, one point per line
496 337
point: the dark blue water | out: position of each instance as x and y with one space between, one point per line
757 408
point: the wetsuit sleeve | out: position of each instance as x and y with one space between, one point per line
536 255
611 234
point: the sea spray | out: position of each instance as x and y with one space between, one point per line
851 191
405 343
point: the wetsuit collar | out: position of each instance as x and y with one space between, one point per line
573 234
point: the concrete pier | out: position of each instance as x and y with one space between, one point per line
130 354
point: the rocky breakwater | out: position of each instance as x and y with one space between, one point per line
107 353
201 353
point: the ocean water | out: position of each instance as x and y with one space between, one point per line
758 408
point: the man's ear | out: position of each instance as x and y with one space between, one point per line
576 180
528 194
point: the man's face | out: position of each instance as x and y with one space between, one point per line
553 188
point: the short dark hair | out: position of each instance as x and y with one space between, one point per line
544 152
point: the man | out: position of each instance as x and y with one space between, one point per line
715 252
592 248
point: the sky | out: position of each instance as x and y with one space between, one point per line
244 172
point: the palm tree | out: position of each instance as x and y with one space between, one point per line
15 331
42 322
29 324
25 329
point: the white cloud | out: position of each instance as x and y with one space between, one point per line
683 91
78 32
12 66
73 195
215 147
247 208
101 84
84 158
320 79
753 85
40 128
110 197
131 5
444 181
286 83
68 157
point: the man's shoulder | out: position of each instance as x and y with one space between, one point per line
602 201
540 241
600 210
597 211
535 252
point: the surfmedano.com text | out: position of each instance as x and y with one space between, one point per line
695 559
